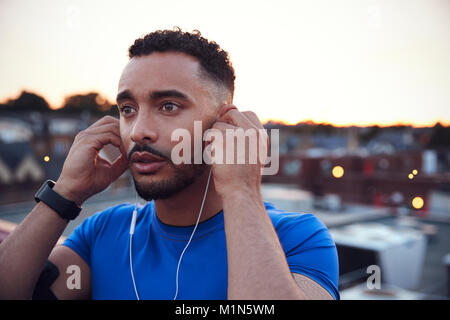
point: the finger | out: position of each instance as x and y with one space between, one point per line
262 142
220 125
224 109
113 128
253 118
98 141
104 120
100 128
119 166
110 127
233 116
261 133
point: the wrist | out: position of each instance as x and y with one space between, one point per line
244 200
242 193
65 192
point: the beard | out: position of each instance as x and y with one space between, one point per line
183 176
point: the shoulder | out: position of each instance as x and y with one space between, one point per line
102 225
111 218
308 246
281 218
112 213
302 228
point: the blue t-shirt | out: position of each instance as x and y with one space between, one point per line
102 240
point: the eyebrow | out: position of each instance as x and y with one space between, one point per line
155 95
124 95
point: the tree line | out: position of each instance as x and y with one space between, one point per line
97 105
92 102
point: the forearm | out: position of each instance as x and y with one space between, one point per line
24 252
257 266
85 173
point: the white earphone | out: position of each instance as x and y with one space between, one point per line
133 224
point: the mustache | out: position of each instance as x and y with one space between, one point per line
147 148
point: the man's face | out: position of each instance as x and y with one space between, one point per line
157 94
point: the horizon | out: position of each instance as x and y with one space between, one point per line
358 63
264 122
273 121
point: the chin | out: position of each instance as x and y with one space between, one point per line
163 184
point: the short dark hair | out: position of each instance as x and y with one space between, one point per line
213 59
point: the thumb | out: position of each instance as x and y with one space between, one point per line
119 166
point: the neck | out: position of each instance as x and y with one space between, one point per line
182 209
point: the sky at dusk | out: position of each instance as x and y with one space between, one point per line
343 62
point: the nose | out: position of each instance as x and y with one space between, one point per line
144 129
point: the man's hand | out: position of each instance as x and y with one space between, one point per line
85 172
235 177
257 265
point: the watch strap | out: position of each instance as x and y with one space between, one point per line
67 209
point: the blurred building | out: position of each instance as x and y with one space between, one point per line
377 179
33 148
19 169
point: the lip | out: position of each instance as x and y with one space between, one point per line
144 162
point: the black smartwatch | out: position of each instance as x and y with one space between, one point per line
65 208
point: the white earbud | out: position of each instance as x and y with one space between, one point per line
133 221
133 224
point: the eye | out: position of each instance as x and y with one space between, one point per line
169 107
126 110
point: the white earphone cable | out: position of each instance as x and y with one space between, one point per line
133 224
193 231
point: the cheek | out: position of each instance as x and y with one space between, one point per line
181 137
125 138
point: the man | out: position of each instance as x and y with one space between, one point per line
242 247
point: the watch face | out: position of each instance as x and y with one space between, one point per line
50 183
38 194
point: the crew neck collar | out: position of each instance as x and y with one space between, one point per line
184 232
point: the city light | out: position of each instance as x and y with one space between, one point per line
417 202
415 172
337 171
410 176
46 158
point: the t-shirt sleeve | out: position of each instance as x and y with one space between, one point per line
310 250
81 239
84 236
